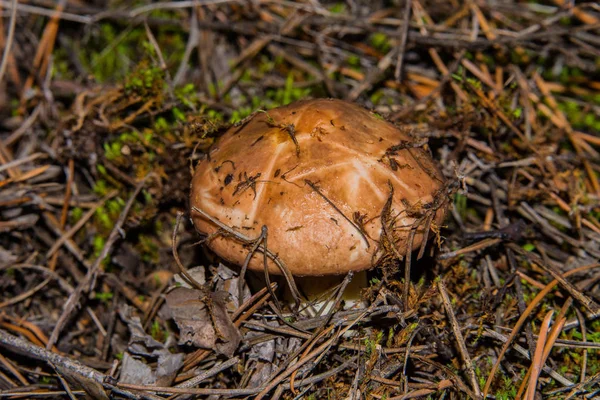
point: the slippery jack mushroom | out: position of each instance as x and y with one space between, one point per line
337 187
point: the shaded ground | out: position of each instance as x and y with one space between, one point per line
104 109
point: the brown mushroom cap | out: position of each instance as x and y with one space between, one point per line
343 163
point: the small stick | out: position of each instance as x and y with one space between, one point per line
403 37
525 353
316 189
65 210
385 215
338 298
243 307
540 355
585 350
75 228
426 228
161 59
536 300
245 239
193 282
86 284
9 366
191 44
207 374
586 301
474 247
319 351
67 364
510 257
10 38
459 337
257 242
63 382
407 265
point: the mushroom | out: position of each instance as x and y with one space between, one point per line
337 186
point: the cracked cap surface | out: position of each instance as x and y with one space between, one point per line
317 173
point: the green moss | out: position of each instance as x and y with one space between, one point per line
98 244
104 297
239 114
187 94
61 66
160 124
47 380
213 89
114 59
148 248
289 93
215 115
508 390
100 187
273 98
517 112
247 76
372 342
76 214
475 82
147 197
103 218
460 203
376 97
146 81
115 206
353 61
529 247
112 151
178 114
380 42
458 75
338 8
110 52
157 332
580 116
565 21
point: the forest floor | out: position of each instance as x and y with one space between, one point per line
106 108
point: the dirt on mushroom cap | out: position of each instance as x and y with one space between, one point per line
318 174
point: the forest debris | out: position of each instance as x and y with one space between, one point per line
227 280
21 222
6 257
197 273
506 92
203 322
143 345
135 371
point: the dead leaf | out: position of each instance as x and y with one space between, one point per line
198 273
136 372
142 344
6 257
261 359
203 322
227 280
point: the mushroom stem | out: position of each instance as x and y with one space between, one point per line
321 293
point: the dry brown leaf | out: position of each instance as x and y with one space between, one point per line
203 321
